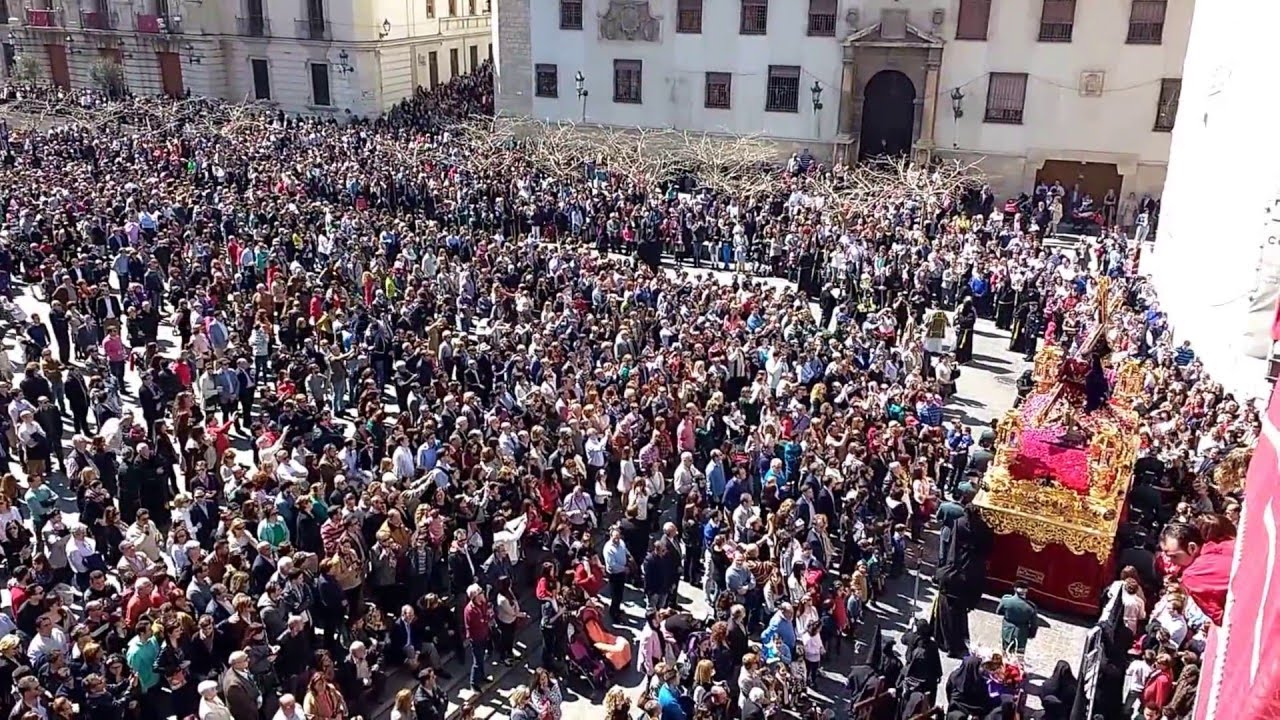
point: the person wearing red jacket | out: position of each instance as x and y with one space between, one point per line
477 619
1204 567
1158 690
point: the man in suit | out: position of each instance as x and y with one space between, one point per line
671 538
264 566
293 661
244 698
107 309
409 640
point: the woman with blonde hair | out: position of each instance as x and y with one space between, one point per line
402 708
617 706
521 708
703 678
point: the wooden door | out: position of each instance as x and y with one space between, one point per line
170 73
58 66
112 55
1094 178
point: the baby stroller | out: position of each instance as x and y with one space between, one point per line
584 661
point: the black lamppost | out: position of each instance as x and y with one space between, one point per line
344 67
580 83
816 91
957 112
386 29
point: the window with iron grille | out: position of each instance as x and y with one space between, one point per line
1057 20
626 81
782 94
719 90
431 8
822 18
973 20
570 14
546 80
1146 22
1167 105
755 17
1006 97
689 16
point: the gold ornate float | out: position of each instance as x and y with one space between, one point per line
1060 474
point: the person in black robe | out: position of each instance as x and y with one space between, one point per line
1058 693
1005 298
967 694
1016 328
1031 331
922 668
964 321
915 707
961 579
870 697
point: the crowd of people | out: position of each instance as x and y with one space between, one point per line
454 381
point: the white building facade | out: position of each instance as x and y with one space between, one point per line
1216 259
1078 90
352 58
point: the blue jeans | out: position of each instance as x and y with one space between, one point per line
339 393
478 653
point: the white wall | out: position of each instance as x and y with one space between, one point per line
1056 115
1212 261
674 70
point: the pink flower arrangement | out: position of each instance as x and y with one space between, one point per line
1042 454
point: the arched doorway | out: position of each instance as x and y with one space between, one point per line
888 115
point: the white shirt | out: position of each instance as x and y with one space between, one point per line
402 459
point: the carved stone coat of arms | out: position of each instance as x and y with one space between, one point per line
630 20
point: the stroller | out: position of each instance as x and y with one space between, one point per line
584 661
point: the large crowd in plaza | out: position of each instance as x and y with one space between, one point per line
449 393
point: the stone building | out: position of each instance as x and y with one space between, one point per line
312 56
1079 90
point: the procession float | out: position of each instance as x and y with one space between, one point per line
1055 492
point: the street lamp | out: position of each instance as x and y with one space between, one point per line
386 28
70 44
343 66
816 90
192 56
957 112
580 83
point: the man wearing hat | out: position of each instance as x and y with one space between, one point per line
1020 620
211 706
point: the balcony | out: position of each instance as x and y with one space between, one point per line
45 18
253 26
96 20
314 29
462 24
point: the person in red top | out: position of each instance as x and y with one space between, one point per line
138 603
477 619
1158 690
1204 568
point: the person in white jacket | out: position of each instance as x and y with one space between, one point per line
211 706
